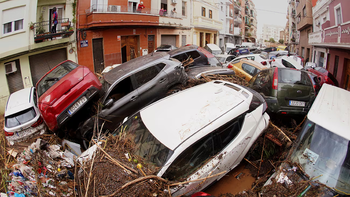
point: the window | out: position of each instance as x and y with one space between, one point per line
123 88
262 82
304 11
287 64
290 76
336 62
181 57
251 70
183 8
193 54
338 16
20 118
148 74
203 11
210 14
13 19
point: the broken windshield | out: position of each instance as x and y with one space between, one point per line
146 145
325 155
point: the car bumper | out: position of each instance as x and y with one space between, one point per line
27 133
274 107
66 114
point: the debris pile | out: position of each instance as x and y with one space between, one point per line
42 169
115 171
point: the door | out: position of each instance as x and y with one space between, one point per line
201 39
130 47
14 79
207 38
346 74
42 63
150 43
97 45
168 39
183 40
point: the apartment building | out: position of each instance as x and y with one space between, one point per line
28 47
304 26
331 38
115 31
238 22
271 31
226 16
291 32
205 22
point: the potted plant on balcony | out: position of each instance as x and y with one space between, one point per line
31 25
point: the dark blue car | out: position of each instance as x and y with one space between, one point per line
239 51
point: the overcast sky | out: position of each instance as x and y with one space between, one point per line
270 12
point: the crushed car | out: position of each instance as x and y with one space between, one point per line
245 68
64 91
22 117
201 131
132 86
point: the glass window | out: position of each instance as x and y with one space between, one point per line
20 118
146 75
287 64
251 70
304 11
210 14
183 8
54 76
203 11
262 82
336 62
191 159
293 77
19 25
123 88
181 57
7 27
338 15
193 54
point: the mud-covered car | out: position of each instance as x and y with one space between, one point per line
22 116
64 91
204 130
132 86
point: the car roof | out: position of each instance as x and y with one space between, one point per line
133 64
251 62
331 110
182 49
182 115
19 101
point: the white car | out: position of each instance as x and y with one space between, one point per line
225 59
201 131
255 57
286 62
22 116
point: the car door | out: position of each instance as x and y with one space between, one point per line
120 102
151 84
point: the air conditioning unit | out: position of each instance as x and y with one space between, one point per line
114 8
174 1
10 67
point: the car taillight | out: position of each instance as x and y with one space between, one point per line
263 63
8 133
237 51
275 79
38 122
229 66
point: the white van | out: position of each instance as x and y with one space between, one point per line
322 149
201 131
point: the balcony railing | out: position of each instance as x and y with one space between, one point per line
103 8
238 20
43 30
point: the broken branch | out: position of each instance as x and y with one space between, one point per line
251 163
280 131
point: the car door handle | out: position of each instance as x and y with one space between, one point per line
162 80
133 98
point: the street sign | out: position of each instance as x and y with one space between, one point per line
84 43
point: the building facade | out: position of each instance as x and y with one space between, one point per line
291 32
249 15
332 40
271 31
304 26
115 31
29 48
226 16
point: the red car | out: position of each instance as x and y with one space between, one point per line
63 91
326 76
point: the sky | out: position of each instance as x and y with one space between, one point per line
270 12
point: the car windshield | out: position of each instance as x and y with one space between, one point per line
321 69
221 59
20 118
325 155
146 145
54 76
292 76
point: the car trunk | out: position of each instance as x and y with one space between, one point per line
63 86
295 88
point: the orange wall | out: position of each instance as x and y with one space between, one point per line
111 46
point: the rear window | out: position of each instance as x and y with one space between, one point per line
20 118
293 77
321 69
54 76
287 64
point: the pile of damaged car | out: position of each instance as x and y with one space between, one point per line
176 122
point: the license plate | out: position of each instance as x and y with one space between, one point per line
297 103
76 105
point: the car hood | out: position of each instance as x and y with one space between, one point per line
64 85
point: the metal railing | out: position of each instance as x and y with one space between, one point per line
44 29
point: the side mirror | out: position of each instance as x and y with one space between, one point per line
108 103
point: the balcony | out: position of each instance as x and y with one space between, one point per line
237 31
42 30
238 20
207 23
112 15
237 6
304 23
